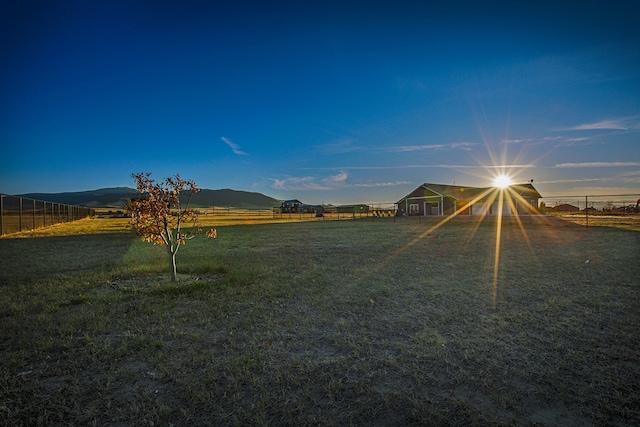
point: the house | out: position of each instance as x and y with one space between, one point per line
438 199
564 207
296 206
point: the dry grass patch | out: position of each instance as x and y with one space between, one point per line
625 222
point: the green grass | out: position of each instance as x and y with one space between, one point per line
328 322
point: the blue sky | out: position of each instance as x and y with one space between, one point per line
323 101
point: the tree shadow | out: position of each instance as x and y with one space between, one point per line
41 257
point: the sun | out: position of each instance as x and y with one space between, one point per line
502 181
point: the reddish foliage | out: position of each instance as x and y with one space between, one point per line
158 216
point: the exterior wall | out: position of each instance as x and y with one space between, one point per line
421 206
495 208
291 206
427 206
480 208
450 206
531 206
447 206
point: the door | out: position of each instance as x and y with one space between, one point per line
432 208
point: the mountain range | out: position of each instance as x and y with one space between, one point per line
117 197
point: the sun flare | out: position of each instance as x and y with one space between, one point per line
502 181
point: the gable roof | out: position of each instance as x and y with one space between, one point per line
455 191
526 190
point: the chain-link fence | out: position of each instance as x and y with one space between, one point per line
23 214
621 204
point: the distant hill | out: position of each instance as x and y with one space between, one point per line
233 199
117 197
102 198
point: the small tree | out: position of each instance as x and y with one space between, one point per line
159 216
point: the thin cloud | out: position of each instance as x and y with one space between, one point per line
517 141
454 145
310 182
612 124
572 142
562 141
565 181
605 191
597 165
298 184
501 167
631 173
631 180
331 182
383 184
338 179
576 139
234 147
425 166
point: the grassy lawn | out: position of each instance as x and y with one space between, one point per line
323 323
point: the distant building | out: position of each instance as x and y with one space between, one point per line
564 207
354 209
439 199
296 206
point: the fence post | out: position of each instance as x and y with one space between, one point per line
20 214
586 210
1 213
33 217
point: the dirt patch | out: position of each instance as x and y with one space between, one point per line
151 281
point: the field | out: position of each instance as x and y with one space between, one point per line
628 222
355 322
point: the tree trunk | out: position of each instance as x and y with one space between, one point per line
174 274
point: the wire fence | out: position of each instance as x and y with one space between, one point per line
621 204
24 214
